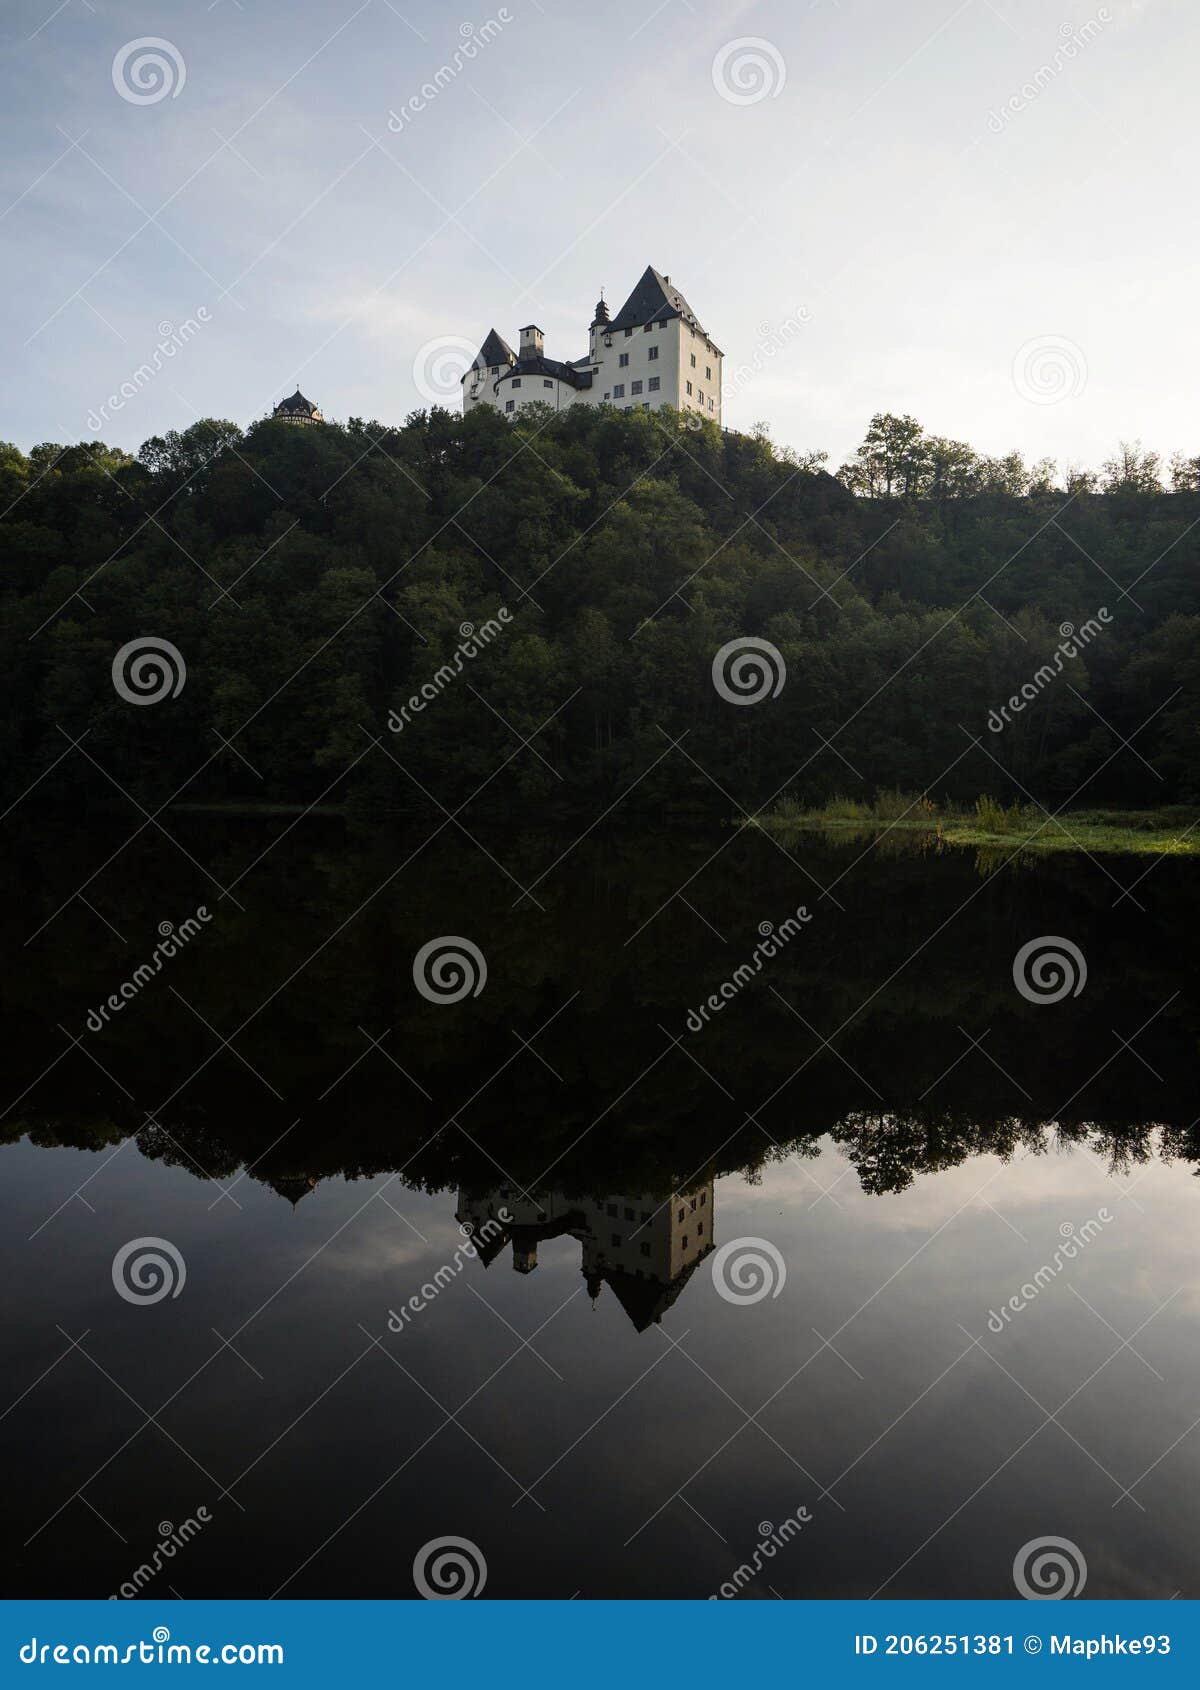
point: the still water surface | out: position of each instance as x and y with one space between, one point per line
914 1141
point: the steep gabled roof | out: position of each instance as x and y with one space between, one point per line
652 298
495 350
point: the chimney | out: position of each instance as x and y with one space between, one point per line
532 342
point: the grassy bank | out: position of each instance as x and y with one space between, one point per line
1173 831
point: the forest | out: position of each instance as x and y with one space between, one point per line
466 610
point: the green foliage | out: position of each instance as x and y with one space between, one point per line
317 579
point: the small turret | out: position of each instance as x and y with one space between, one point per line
601 317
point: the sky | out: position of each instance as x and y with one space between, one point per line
975 211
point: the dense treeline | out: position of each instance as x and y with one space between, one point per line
315 579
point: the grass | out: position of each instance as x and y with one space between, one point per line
1171 831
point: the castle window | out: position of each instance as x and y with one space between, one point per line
655 384
681 1214
629 1215
611 1209
646 327
645 1249
693 360
628 332
692 1206
510 404
689 388
703 1198
645 1215
635 387
516 381
710 405
623 359
662 322
619 390
654 352
708 372
684 1241
700 395
616 1240
645 407
700 1228
547 382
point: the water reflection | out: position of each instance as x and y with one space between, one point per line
643 1248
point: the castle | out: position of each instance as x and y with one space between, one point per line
653 352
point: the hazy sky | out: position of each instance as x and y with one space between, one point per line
978 211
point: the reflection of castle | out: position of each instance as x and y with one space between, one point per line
645 1248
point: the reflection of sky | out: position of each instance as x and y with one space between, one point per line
908 1424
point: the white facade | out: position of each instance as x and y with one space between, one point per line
654 352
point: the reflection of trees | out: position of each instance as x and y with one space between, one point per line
903 1093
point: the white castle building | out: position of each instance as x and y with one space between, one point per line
653 352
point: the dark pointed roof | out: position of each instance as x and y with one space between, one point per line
495 350
654 297
601 313
296 406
